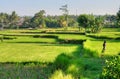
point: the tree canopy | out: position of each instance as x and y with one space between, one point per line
38 20
118 18
90 21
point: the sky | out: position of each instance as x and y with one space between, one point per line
51 7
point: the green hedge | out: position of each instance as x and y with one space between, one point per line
99 37
76 33
45 36
70 41
8 37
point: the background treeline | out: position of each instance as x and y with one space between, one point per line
40 20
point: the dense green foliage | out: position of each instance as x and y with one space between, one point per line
111 69
92 22
118 18
38 20
9 21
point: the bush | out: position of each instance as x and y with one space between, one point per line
99 37
118 38
46 36
8 37
71 41
62 62
74 33
60 75
112 69
49 36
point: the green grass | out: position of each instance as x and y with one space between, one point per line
79 62
110 35
112 47
19 31
72 36
22 52
20 39
86 67
111 30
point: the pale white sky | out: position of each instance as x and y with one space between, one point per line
30 7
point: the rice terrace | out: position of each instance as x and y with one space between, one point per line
65 46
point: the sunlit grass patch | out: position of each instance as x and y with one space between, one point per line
112 47
31 40
20 52
60 75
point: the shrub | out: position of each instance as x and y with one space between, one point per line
8 37
75 70
74 33
36 36
71 41
49 36
112 69
99 37
60 75
62 62
46 36
118 38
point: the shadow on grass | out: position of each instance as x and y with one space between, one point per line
27 42
103 37
76 65
99 37
81 64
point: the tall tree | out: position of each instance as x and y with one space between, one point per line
4 19
14 18
90 22
110 20
64 8
61 21
26 22
97 25
83 21
39 19
118 18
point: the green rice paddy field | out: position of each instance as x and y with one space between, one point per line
23 56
